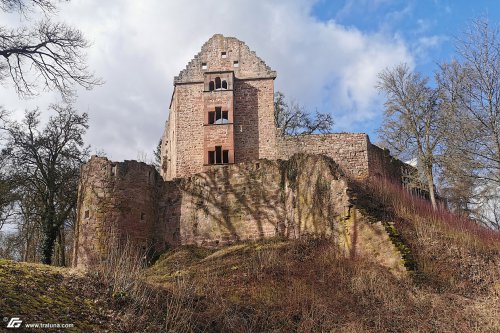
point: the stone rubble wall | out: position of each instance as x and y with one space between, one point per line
305 195
246 201
349 150
116 202
382 164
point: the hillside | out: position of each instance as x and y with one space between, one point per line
45 294
450 281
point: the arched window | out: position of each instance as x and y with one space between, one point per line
211 86
224 84
217 83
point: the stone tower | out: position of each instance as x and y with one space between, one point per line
221 112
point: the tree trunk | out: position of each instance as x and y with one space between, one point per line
430 185
26 249
49 239
50 230
62 247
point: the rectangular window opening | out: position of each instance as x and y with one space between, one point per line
143 216
218 154
223 55
236 63
204 65
218 115
87 214
113 170
211 157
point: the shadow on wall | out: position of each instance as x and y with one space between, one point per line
305 195
232 203
246 122
117 200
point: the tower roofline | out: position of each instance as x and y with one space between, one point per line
237 57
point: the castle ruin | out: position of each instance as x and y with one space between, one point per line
225 174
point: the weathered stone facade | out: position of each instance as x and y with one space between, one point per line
225 77
305 195
225 174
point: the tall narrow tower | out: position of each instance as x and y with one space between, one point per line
221 112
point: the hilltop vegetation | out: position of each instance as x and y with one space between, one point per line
306 285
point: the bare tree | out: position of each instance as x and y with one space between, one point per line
24 6
292 119
7 184
47 55
47 165
157 156
411 120
470 90
7 192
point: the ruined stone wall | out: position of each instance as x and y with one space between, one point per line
306 195
349 150
226 204
119 201
245 201
383 164
255 200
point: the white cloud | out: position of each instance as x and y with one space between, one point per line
139 46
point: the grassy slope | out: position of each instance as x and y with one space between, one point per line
307 286
44 294
284 286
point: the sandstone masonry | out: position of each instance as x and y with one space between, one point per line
222 110
225 175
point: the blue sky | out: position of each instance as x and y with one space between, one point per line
434 23
411 20
327 55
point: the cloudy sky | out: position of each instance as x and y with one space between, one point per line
327 54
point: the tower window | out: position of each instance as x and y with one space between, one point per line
223 55
211 86
211 157
224 84
87 214
217 83
113 170
218 116
204 65
225 117
218 156
236 63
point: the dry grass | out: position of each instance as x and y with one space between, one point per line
143 306
451 253
308 286
305 285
